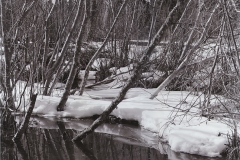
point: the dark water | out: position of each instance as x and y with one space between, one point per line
51 139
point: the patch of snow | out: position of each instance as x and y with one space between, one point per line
59 85
100 62
173 115
91 76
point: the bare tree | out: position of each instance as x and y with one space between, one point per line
132 80
24 124
9 34
76 57
187 53
59 62
8 51
84 81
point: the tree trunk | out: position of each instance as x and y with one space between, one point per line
189 54
186 47
46 43
132 80
92 21
236 58
8 51
84 81
154 12
24 124
64 49
76 63
127 36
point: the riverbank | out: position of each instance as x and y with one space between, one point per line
175 116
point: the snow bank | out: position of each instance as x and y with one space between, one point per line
173 115
79 107
194 135
197 140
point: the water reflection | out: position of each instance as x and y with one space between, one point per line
86 151
8 128
21 150
51 139
67 136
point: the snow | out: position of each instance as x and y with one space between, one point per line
100 62
173 115
91 76
197 140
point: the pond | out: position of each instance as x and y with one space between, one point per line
51 139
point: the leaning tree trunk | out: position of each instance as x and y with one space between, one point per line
76 63
236 57
51 71
189 54
24 124
136 75
86 74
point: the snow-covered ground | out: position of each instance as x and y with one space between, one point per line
174 116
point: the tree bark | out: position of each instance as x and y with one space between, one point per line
189 40
46 43
63 51
92 20
24 124
76 63
8 51
154 12
84 81
137 73
237 61
189 54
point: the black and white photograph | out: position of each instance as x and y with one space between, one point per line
120 79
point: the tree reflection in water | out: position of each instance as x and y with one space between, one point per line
8 129
56 144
